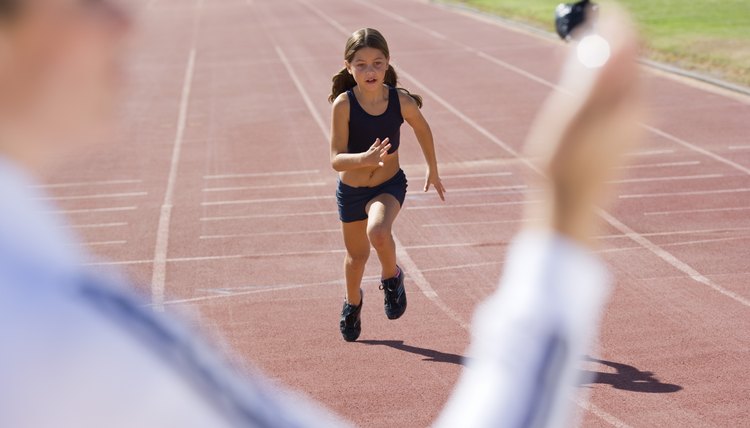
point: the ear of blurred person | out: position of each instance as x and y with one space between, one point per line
60 71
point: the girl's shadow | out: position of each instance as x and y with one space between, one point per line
629 378
430 354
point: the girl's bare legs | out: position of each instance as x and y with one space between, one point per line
382 212
357 253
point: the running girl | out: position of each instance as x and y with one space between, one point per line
368 111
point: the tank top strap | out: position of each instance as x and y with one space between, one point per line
394 103
353 100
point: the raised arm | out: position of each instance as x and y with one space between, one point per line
341 160
530 335
413 116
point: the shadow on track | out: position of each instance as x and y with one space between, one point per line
431 354
629 378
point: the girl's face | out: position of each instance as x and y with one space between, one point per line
368 68
59 71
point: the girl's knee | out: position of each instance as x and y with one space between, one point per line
357 258
379 236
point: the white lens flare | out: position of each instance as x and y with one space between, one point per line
593 51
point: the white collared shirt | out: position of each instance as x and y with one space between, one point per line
79 351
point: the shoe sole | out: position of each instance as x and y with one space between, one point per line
351 338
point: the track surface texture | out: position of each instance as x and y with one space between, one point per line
217 197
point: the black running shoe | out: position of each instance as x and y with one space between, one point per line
395 295
350 324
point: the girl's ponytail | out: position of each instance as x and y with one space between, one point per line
391 79
342 82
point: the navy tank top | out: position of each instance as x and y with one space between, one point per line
364 128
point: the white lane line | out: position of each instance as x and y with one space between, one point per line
456 245
610 419
698 149
266 200
97 243
103 243
650 153
511 67
477 175
679 232
252 216
268 186
678 244
660 165
98 225
305 97
403 20
288 233
84 184
739 147
229 290
94 210
218 258
464 165
673 178
708 241
473 124
260 174
415 274
256 256
158 277
94 196
689 193
656 250
514 188
119 263
479 205
697 211
456 267
671 259
250 292
477 223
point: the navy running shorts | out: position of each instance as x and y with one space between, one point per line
353 201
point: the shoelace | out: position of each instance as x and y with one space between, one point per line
390 294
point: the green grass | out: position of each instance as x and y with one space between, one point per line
710 36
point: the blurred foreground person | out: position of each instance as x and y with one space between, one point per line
80 352
530 336
76 351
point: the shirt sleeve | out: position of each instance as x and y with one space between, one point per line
529 337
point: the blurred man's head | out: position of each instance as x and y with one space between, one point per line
59 72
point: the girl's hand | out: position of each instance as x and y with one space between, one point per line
434 180
377 154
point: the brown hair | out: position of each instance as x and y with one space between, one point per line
365 38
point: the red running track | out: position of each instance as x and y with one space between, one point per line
216 194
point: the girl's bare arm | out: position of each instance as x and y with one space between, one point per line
413 116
